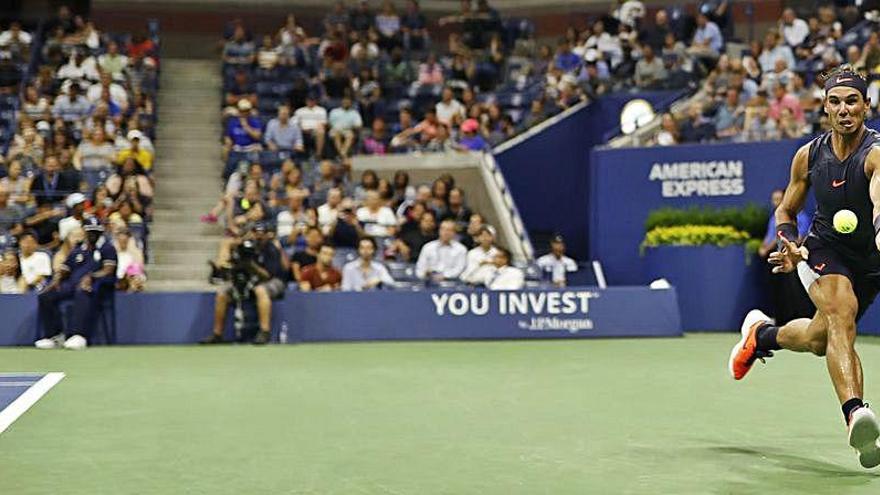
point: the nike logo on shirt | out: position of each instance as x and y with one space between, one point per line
837 183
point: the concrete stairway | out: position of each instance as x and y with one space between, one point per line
188 176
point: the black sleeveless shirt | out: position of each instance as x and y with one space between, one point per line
843 185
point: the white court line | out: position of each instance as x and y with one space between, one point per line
30 397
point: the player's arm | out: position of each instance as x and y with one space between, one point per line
872 165
788 255
795 195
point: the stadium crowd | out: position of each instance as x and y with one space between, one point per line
77 116
770 88
297 107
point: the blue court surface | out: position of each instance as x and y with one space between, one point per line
20 391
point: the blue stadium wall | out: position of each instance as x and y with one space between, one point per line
584 312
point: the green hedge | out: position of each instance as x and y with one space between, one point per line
751 219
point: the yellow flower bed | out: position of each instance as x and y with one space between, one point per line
694 235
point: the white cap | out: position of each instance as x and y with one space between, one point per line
75 199
134 134
244 105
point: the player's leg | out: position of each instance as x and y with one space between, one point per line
835 296
804 335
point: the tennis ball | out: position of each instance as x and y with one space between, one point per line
845 221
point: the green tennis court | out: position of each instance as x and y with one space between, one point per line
603 416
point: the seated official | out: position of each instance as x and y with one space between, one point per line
555 264
259 271
365 273
87 275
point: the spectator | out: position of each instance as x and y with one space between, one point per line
365 273
10 273
758 125
505 277
268 55
11 215
430 72
650 71
444 258
448 107
293 221
378 140
470 139
456 210
73 106
403 191
282 132
697 128
129 179
76 205
347 231
243 133
36 266
130 273
241 89
94 153
113 62
555 264
246 208
794 30
15 36
782 100
369 182
312 120
708 41
414 27
80 68
730 116
345 124
321 276
118 95
775 49
239 51
125 215
16 184
411 241
481 258
328 213
388 26
144 157
88 274
377 220
565 60
309 255
655 35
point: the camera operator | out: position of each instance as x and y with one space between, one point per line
259 271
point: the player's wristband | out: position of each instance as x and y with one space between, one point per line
788 231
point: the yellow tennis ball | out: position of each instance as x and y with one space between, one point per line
845 221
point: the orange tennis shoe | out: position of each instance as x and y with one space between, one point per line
745 352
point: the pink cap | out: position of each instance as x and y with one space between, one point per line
469 125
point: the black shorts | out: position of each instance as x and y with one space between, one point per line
825 260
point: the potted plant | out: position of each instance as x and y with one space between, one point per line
712 265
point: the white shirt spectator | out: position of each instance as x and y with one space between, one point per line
448 260
87 70
377 223
38 264
23 37
476 270
506 278
114 64
796 32
117 94
557 267
327 217
354 277
630 12
286 221
309 119
446 111
9 285
67 225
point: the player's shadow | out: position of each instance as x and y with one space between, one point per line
795 463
